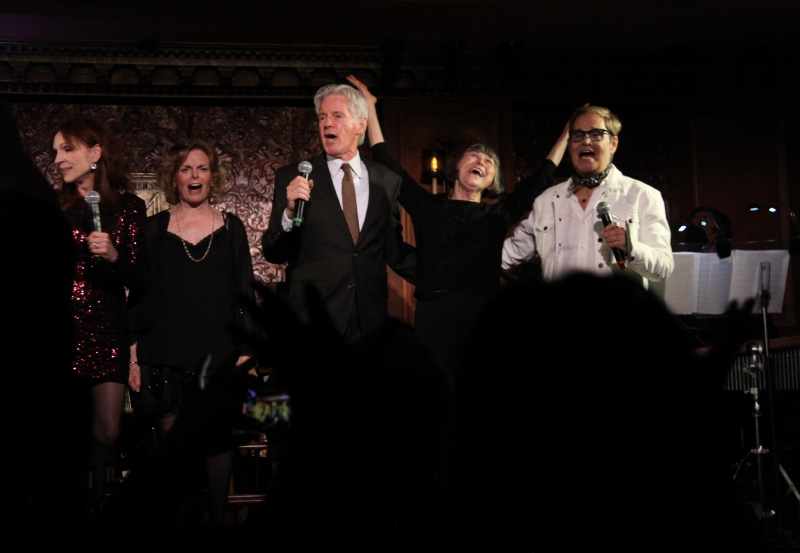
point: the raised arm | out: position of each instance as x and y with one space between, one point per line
519 202
412 195
373 126
558 149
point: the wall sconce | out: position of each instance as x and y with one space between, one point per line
433 160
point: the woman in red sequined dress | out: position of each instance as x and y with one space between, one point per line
106 263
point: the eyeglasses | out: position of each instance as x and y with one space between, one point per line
595 135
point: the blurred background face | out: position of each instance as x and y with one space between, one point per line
591 158
706 221
74 159
194 179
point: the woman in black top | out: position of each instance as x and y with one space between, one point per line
199 267
459 238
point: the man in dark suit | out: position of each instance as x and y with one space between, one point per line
351 227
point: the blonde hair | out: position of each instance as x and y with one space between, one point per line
613 123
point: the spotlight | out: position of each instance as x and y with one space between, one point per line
752 207
772 209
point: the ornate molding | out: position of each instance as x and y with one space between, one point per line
146 186
265 71
250 72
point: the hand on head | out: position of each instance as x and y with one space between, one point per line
371 99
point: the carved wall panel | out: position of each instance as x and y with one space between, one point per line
251 141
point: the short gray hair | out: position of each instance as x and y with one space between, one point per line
497 187
355 101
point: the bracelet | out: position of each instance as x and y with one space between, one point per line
134 363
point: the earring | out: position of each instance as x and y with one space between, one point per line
94 167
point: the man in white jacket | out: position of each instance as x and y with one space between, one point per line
564 227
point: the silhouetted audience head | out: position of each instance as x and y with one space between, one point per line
590 424
38 404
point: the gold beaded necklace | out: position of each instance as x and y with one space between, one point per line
186 248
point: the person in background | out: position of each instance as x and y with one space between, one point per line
709 228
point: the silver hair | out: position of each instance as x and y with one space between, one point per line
497 187
355 101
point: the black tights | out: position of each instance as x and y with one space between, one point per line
107 400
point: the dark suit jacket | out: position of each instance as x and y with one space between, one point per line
321 253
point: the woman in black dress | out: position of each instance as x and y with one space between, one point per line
107 260
200 266
459 238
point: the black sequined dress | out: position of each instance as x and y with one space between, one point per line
102 339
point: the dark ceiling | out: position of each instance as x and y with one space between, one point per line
710 26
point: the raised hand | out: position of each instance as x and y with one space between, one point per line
362 88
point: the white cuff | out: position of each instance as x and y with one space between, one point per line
286 223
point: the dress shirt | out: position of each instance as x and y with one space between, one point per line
360 182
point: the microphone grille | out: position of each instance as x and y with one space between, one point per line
92 197
304 167
603 208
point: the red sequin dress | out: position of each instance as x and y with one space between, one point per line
99 307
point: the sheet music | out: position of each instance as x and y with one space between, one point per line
680 289
747 276
714 284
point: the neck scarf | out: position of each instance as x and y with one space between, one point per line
590 182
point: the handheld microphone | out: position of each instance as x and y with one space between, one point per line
604 213
300 205
93 199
